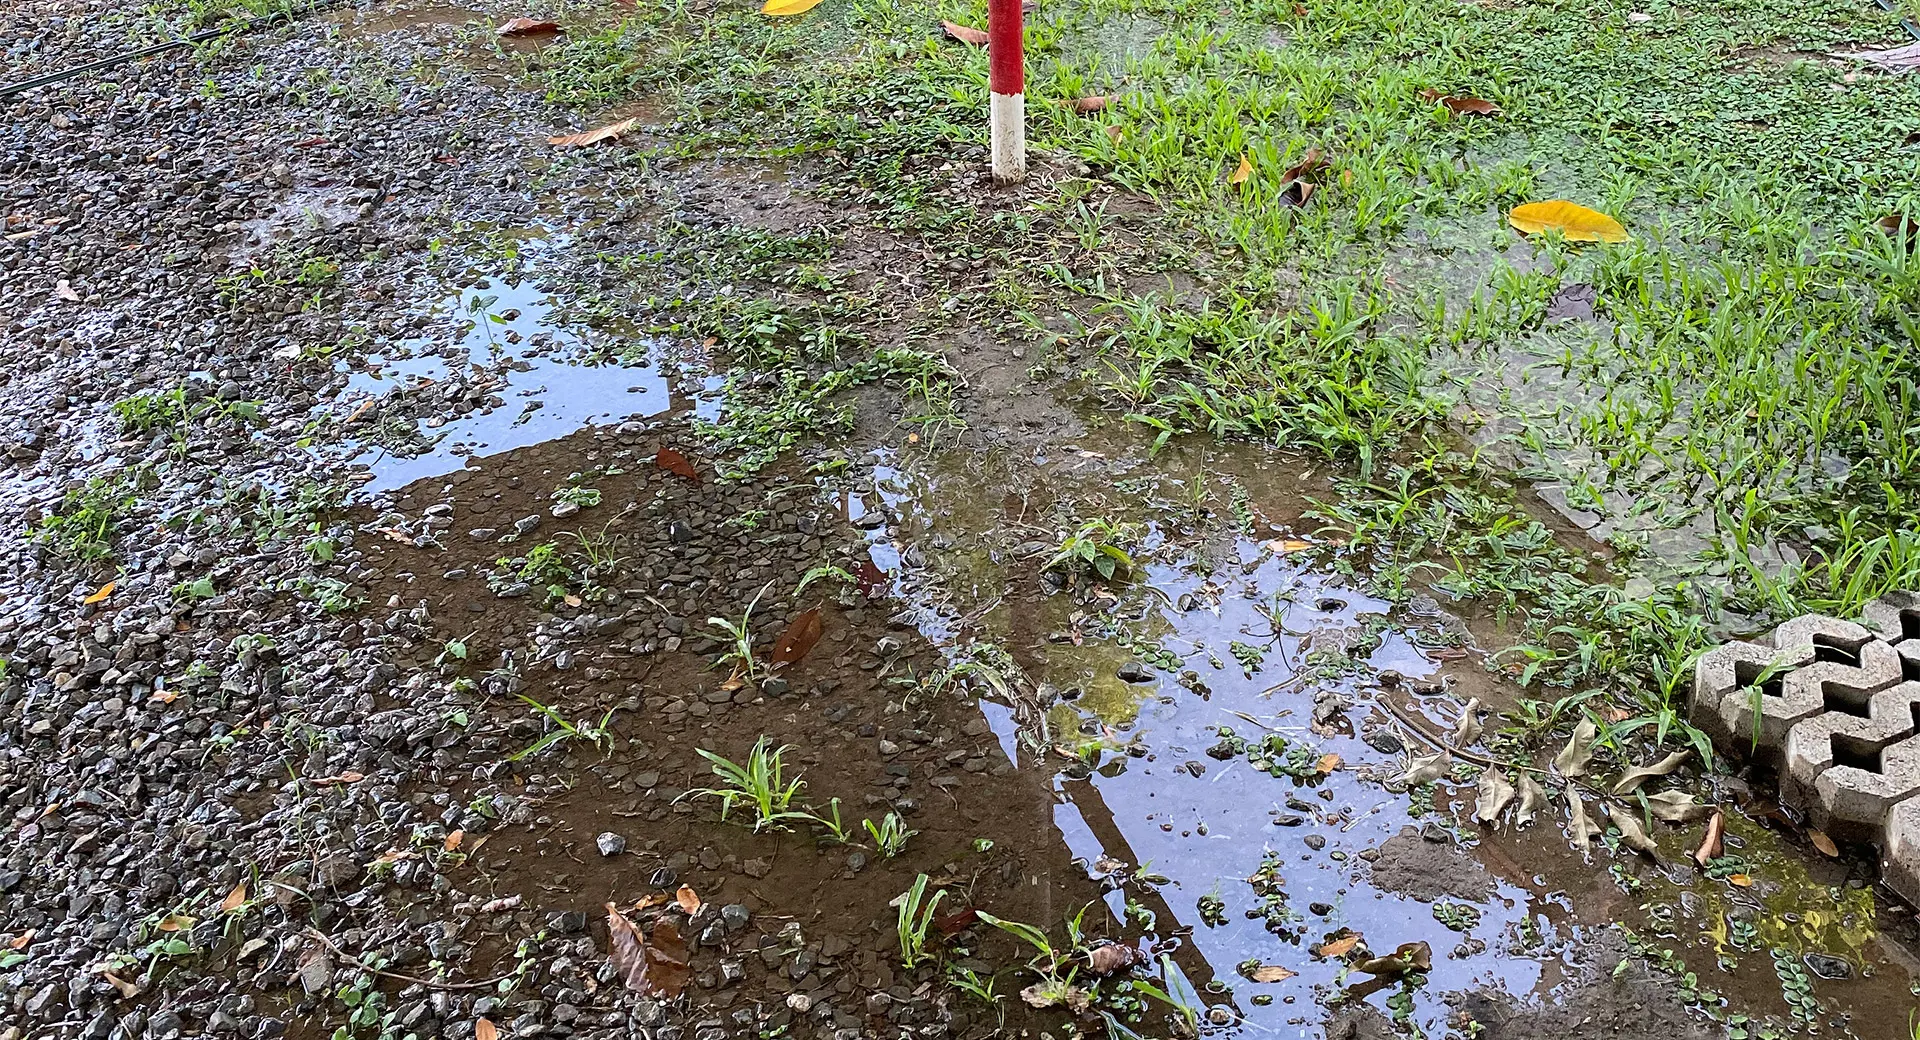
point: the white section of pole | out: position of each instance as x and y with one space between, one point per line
1008 123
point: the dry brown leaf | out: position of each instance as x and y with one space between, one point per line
1533 798
1422 770
1677 807
526 27
1327 764
798 639
1632 834
1270 973
1461 104
1572 759
1241 172
594 136
1308 164
128 990
1468 729
484 1029
235 897
688 899
1579 827
1114 133
1495 795
1105 960
658 968
1283 546
675 463
1338 947
175 923
1090 103
348 777
1714 843
19 942
1635 777
626 950
453 840
1823 843
1414 956
965 33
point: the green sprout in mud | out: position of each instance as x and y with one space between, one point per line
585 731
83 525
914 922
760 784
824 572
543 567
574 495
889 835
740 635
836 832
1096 548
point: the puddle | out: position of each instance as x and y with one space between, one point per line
1250 633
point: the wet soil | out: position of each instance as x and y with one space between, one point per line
1197 760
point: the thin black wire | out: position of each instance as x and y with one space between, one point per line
150 50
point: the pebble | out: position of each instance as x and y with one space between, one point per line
610 844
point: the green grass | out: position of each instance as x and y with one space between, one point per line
82 527
1741 414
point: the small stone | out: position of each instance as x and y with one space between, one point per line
1134 672
735 916
610 844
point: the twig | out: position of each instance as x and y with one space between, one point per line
396 976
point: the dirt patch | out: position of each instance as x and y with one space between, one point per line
1632 1004
1415 866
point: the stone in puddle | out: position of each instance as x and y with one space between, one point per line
610 844
1829 967
1134 672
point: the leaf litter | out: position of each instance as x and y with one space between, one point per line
657 968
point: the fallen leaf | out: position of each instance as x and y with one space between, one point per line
1579 827
1311 161
595 136
1468 729
965 33
64 290
484 1029
1414 956
348 777
956 922
675 463
1327 764
175 923
688 899
1740 879
1823 843
870 578
1091 103
1422 770
1714 843
787 8
526 27
1338 947
1283 546
1677 807
1635 777
19 942
1051 994
1114 133
311 142
453 839
128 990
1241 172
105 591
798 638
1632 835
1572 759
1897 58
1574 222
1270 973
658 968
1495 795
1533 798
235 897
1461 104
1105 960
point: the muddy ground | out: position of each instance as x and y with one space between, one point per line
284 676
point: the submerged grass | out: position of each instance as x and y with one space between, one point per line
1738 414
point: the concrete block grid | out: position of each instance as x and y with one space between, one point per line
1834 705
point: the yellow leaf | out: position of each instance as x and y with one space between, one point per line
1241 172
105 591
234 898
1575 223
1327 764
783 8
1741 879
1338 947
174 923
688 900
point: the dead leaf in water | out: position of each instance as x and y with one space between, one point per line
526 27
688 899
1714 843
1632 834
675 463
1422 770
1533 798
1105 960
104 591
1285 546
1579 827
1823 843
1413 956
1635 777
1575 223
1338 947
1089 104
1468 729
1572 759
484 1029
798 638
656 969
787 8
595 136
1677 807
1327 764
1461 104
965 33
1495 795
1270 973
872 581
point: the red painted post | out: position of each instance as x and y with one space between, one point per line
1007 84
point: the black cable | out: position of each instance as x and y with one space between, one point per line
158 48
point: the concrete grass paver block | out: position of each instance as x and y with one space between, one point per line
1815 745
1851 803
1900 851
1849 666
1894 617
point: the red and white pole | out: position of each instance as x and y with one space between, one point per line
1007 84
